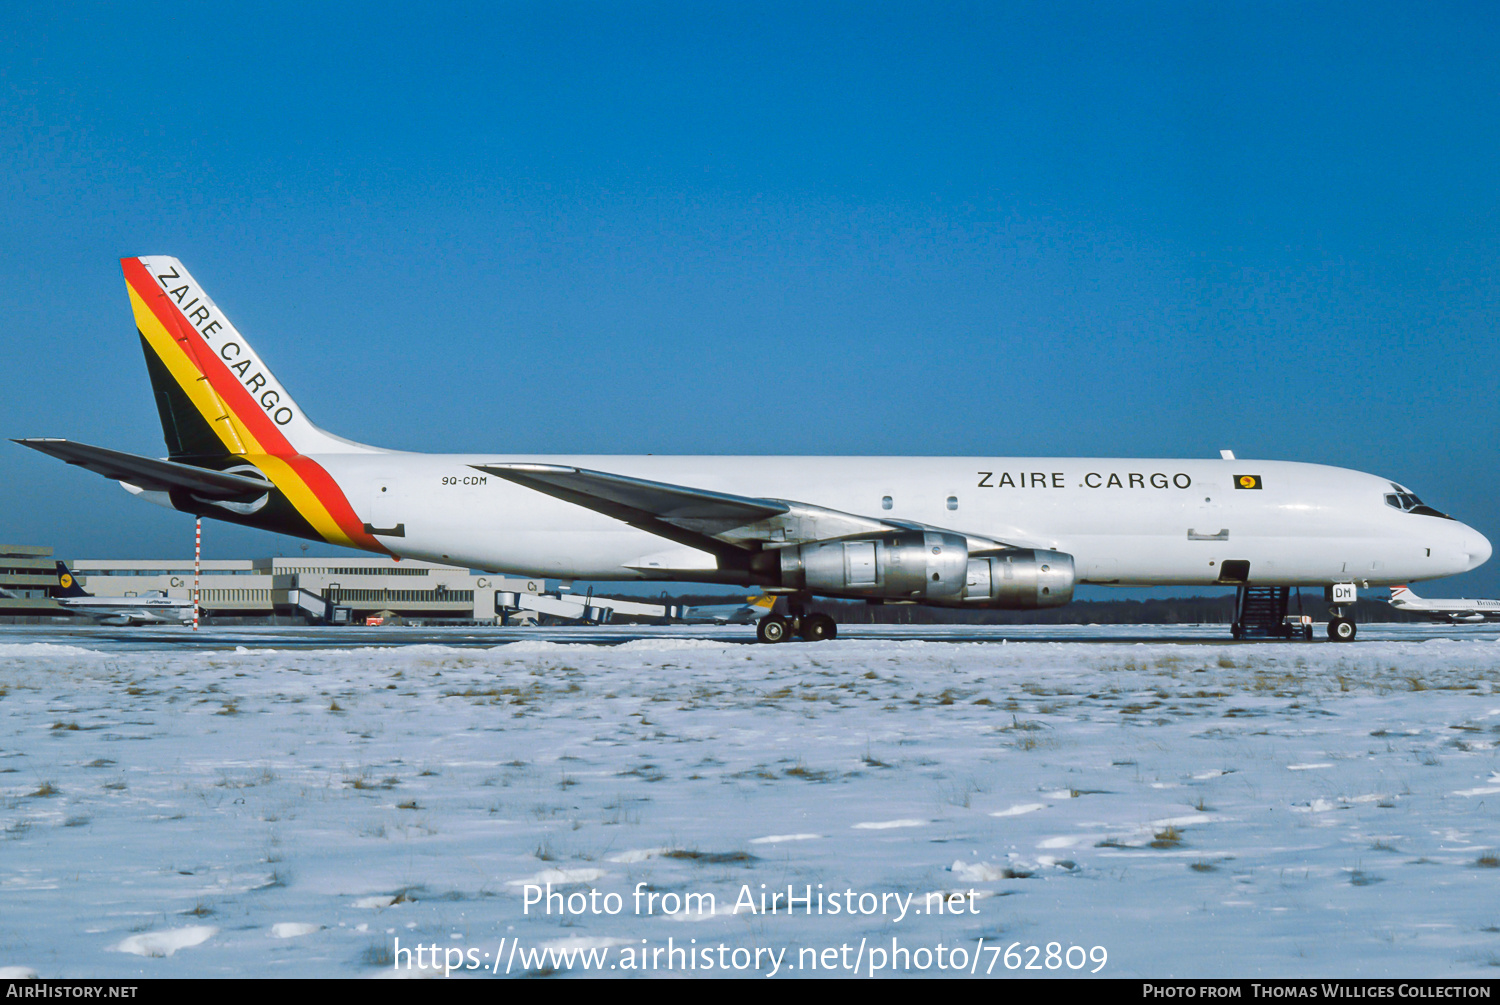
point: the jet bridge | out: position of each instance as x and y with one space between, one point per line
587 609
315 607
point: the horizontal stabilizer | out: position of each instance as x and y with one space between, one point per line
149 473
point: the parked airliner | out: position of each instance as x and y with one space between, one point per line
748 613
1003 532
152 608
1455 611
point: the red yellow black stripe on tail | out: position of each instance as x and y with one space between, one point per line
241 402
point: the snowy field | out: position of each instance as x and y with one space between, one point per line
254 804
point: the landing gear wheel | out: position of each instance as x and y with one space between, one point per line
818 628
772 629
1341 630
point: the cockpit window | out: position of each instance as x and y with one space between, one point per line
1407 502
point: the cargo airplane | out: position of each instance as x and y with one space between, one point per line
964 532
1455 611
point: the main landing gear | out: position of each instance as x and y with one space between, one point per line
1340 629
808 626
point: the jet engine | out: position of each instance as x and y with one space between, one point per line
930 567
1020 579
922 565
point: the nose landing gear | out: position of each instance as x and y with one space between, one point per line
1340 628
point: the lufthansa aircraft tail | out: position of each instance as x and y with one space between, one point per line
67 586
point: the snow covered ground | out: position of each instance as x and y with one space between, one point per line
273 808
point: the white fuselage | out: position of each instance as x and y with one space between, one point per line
1448 609
130 609
1127 522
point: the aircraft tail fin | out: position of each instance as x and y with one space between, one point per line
1402 593
215 395
222 408
67 586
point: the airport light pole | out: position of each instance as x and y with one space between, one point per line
197 564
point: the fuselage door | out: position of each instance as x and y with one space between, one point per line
1206 516
383 510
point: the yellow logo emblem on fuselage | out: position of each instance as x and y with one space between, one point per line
1247 481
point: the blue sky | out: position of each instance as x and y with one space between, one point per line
1076 229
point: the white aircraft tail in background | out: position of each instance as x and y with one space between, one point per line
1460 611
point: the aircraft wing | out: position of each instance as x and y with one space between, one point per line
148 473
711 521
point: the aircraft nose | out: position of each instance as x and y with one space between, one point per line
1477 546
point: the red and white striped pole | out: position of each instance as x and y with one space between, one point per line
197 563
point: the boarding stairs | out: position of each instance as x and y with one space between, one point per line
1260 612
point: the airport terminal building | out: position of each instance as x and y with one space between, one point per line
27 576
258 588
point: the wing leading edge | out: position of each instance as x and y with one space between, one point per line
728 526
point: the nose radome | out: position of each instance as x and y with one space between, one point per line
1478 547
